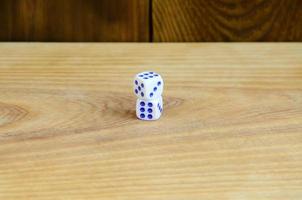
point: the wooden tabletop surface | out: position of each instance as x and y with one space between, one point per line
231 129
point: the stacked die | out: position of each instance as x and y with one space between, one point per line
148 87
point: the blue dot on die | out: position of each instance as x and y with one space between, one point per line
149 110
146 78
136 91
136 82
142 115
139 88
158 83
140 75
151 94
159 107
142 94
142 109
155 89
151 72
142 103
155 74
150 104
150 116
146 74
142 85
150 76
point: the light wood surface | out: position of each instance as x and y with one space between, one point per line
231 129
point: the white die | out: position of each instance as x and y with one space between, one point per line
149 109
148 85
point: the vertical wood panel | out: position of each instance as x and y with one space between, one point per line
74 20
227 20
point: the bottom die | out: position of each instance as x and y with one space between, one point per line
149 109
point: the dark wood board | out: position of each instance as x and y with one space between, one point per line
227 20
74 20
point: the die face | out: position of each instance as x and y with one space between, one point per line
149 110
148 85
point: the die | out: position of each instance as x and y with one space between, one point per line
149 109
148 85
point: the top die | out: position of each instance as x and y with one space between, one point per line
148 85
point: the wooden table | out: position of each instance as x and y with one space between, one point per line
231 129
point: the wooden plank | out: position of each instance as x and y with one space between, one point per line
74 20
231 128
233 20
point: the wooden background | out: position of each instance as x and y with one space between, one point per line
150 20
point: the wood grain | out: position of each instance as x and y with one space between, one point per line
232 20
74 20
231 128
